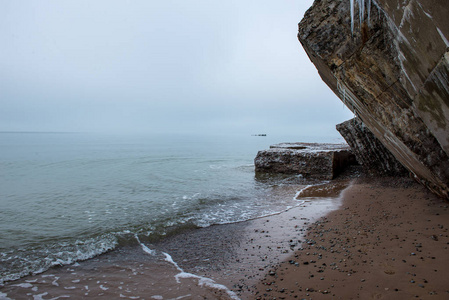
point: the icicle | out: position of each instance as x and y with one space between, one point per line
363 6
361 10
369 12
352 16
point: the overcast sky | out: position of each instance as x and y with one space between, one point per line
160 66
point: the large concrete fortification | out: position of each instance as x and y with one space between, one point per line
388 61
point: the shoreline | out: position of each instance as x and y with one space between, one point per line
238 255
337 245
235 256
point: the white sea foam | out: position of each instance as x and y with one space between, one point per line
170 260
24 285
39 296
219 218
42 259
31 281
216 167
55 282
4 296
144 247
202 281
298 193
185 197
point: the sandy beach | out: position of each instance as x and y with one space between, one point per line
389 240
380 238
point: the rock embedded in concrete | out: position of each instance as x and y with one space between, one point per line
369 151
311 160
393 73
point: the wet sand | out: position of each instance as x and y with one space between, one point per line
240 255
389 240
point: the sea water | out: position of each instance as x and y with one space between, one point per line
66 197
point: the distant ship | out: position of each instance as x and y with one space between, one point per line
260 134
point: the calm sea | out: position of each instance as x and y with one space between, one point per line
66 197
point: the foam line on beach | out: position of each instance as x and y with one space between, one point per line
170 260
275 213
55 254
144 247
298 193
202 281
4 296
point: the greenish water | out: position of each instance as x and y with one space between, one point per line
70 196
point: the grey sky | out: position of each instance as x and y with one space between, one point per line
166 66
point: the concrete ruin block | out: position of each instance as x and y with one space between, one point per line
391 69
312 160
